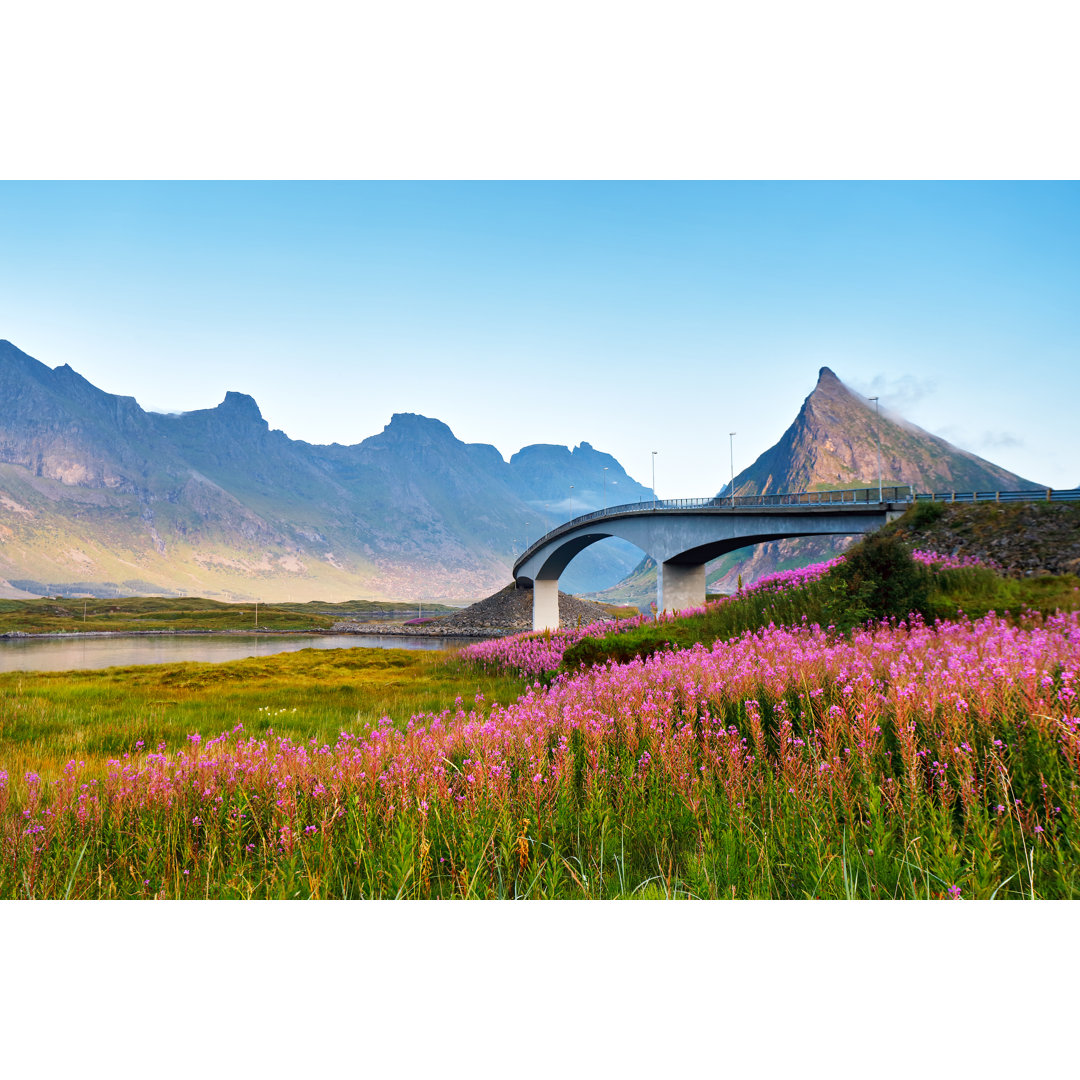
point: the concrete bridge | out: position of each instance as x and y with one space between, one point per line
682 535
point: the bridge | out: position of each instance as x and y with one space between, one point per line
682 535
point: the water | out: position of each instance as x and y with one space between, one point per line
60 654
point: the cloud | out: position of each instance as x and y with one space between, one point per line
984 442
897 394
161 411
997 440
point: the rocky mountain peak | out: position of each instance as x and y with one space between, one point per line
833 443
411 427
241 407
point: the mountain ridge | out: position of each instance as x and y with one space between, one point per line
213 500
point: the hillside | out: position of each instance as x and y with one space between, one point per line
97 495
1024 539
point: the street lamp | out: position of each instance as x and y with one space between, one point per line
605 486
654 479
731 452
877 436
571 503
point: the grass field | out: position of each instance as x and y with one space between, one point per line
183 613
49 718
765 757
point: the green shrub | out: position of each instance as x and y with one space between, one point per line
924 514
878 579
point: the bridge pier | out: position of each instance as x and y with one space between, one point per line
679 587
546 604
683 535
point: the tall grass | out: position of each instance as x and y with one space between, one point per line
899 761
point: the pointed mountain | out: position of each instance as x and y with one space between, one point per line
833 443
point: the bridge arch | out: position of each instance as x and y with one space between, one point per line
683 535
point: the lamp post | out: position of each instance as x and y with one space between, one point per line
605 486
654 479
877 436
571 518
731 452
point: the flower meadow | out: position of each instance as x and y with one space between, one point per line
534 652
900 760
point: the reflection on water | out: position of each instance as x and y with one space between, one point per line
59 654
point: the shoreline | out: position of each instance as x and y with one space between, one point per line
357 630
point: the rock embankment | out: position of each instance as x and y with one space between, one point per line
509 611
1026 539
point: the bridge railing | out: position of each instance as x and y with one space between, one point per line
1034 495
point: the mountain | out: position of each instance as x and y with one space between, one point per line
832 443
598 480
98 495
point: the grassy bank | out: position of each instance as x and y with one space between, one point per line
938 590
50 616
49 718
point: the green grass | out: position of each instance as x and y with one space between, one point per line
978 590
181 613
732 617
48 718
613 839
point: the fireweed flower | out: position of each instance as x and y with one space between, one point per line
669 715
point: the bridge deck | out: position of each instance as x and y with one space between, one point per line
684 534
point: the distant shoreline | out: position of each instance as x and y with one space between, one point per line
68 635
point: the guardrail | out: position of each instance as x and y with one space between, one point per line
1034 495
850 497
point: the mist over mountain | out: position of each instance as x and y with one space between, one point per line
96 491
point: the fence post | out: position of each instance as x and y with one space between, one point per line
1048 494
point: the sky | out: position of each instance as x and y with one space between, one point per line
637 316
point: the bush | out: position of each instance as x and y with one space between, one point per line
924 514
878 579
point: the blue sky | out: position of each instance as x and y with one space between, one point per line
638 316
